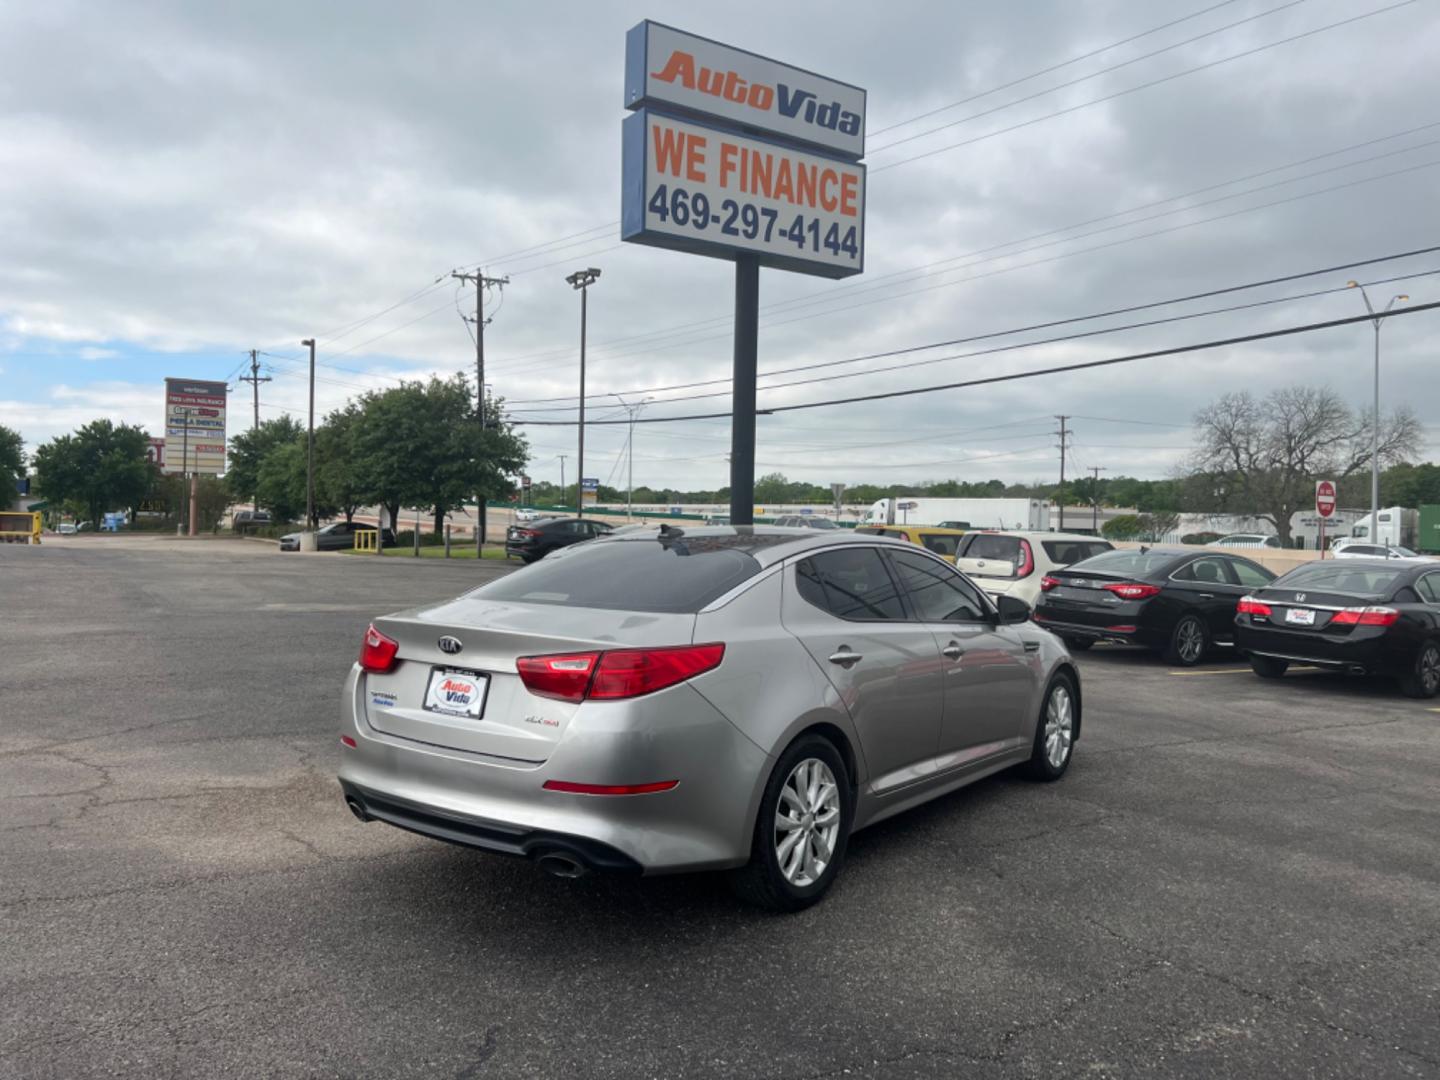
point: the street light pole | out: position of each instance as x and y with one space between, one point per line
582 280
310 446
1377 319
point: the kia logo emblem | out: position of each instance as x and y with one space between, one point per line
450 645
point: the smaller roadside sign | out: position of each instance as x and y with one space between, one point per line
1325 497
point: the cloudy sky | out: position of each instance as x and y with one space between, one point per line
180 183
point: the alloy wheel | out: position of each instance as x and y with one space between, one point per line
1430 668
1190 641
807 822
1059 726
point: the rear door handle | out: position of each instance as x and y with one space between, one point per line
953 651
844 657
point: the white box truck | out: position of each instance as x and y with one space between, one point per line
1024 514
1398 527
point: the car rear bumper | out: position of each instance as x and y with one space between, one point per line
1360 655
490 836
499 804
1115 630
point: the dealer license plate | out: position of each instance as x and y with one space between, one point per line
457 693
1299 616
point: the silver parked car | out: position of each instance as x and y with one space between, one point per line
708 698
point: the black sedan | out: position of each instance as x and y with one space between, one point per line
1365 616
539 538
1178 601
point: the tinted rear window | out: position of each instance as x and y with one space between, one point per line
1128 563
940 543
1004 548
1066 552
680 575
1338 577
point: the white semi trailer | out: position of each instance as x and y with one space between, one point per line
1025 514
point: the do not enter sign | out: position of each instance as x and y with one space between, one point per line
1325 497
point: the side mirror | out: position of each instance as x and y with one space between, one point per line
1012 610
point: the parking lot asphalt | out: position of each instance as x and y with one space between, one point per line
1236 878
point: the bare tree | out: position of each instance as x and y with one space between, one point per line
1262 457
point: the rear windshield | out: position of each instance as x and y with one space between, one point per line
677 576
1337 577
1066 552
941 543
1004 548
1128 563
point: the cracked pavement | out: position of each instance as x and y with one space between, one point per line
1237 878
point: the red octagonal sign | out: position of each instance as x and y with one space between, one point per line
1325 497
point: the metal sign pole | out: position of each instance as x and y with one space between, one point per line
742 409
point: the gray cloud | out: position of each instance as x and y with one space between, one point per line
210 178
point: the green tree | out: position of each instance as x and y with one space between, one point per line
12 462
338 482
248 450
99 468
1121 527
280 483
421 445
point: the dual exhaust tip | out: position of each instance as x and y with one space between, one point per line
556 863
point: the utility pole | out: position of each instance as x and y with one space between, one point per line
582 280
255 379
1064 445
481 284
310 455
1095 471
562 458
630 451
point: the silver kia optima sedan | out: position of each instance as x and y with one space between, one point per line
718 698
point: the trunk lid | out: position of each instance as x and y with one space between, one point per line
512 722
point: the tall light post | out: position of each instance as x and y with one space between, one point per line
630 449
310 449
1377 318
582 280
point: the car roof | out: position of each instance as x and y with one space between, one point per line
865 529
767 544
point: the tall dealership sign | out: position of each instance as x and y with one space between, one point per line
740 157
194 426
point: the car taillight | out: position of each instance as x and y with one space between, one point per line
564 677
632 672
621 673
1027 560
377 652
1047 583
1365 616
1248 605
527 532
1129 591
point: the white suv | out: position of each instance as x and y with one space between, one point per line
1012 563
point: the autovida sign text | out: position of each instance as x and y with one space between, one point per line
730 153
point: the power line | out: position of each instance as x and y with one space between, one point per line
1266 335
991 335
847 303
1142 86
1085 78
1052 68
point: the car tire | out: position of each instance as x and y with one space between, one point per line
1424 680
1268 667
1078 644
1188 642
764 881
1055 728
